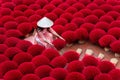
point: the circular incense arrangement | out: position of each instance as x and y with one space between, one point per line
75 22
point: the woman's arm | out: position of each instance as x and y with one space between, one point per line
56 34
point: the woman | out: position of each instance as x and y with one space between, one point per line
45 34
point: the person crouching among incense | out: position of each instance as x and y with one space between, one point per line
45 34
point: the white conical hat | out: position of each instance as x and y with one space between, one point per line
45 23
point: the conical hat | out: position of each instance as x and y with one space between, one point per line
45 23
